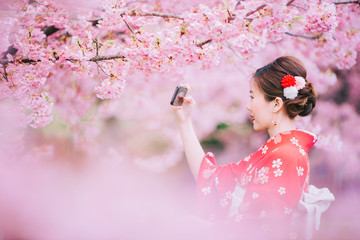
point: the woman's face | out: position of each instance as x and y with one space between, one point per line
261 111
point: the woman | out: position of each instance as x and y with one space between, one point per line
259 194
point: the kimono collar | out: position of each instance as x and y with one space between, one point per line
303 138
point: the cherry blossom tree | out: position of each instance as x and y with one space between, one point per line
77 67
80 65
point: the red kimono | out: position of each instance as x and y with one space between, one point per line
260 193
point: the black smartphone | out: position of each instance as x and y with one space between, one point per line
178 97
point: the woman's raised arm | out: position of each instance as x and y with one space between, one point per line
193 150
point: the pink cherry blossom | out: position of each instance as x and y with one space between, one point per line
111 87
321 17
41 106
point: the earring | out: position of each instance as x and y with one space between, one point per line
273 121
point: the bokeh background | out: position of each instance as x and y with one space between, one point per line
99 166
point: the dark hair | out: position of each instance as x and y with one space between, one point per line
268 79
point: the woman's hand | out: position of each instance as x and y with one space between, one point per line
183 113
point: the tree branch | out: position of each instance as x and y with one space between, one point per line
298 6
154 14
97 56
257 9
48 30
290 2
128 26
5 62
95 20
203 43
5 73
96 46
99 67
347 2
105 58
11 50
133 12
303 36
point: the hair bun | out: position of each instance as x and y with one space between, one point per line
310 104
304 104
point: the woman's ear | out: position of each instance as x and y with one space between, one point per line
278 104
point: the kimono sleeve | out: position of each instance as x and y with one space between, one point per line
215 185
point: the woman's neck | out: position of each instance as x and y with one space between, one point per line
285 124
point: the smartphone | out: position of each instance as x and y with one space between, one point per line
178 97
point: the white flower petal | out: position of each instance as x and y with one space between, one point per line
290 92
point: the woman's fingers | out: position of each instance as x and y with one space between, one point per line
187 86
189 100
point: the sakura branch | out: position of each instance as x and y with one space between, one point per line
97 55
300 7
106 58
127 25
5 62
131 30
203 43
134 13
290 2
256 10
347 2
153 14
303 36
5 74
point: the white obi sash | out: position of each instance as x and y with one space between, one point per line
306 218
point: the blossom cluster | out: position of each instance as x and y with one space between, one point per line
110 88
41 107
321 17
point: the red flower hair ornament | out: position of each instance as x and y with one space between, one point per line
292 85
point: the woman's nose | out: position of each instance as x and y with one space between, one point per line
248 107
